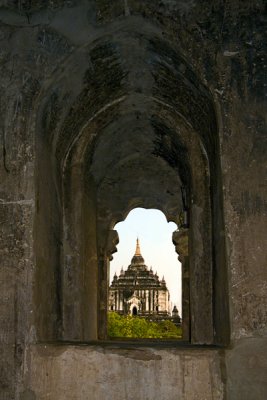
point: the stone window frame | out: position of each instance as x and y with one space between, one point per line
72 303
73 306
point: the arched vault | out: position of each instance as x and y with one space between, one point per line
137 129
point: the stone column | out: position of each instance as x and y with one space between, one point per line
121 301
180 240
103 265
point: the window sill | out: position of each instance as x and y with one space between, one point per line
132 344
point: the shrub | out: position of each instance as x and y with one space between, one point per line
127 326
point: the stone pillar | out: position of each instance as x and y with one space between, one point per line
121 301
180 240
103 264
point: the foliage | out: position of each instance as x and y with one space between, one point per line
135 327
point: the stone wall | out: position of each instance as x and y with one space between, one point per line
82 372
193 73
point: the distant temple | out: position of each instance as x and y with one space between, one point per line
139 291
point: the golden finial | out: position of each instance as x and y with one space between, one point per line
137 251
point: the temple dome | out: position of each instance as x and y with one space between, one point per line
138 291
137 258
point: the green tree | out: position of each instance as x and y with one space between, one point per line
136 327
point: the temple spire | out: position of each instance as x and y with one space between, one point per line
137 259
137 251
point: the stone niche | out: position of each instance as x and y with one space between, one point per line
107 106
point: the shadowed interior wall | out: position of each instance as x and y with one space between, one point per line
106 106
131 146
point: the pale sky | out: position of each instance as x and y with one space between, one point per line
155 237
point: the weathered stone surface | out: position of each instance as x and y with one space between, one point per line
68 372
98 98
246 367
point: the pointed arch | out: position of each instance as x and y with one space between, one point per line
126 140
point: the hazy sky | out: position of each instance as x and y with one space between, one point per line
155 237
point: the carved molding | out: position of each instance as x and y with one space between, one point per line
113 240
180 240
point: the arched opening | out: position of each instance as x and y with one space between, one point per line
145 274
155 237
126 142
134 311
